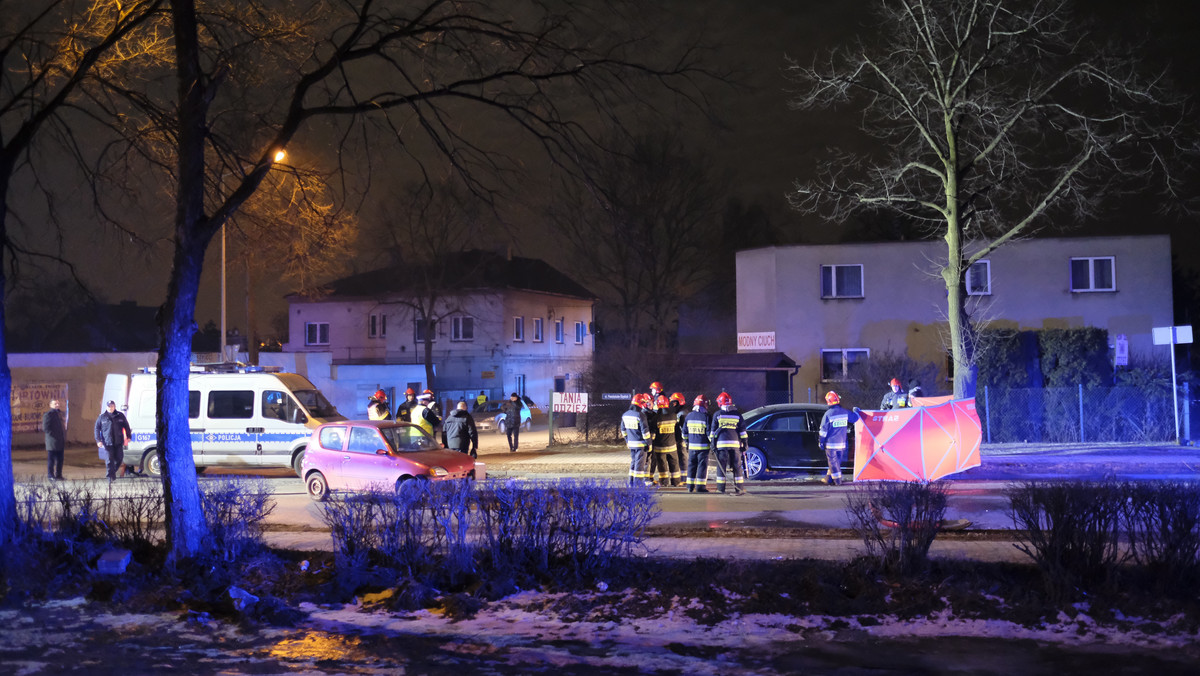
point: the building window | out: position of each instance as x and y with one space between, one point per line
580 332
518 329
537 329
316 333
462 328
842 281
979 278
559 331
419 330
377 325
845 364
1093 274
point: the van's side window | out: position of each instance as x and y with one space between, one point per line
193 404
332 438
278 405
231 404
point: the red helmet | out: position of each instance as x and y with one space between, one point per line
723 399
700 400
410 391
662 401
678 396
656 386
832 398
896 383
644 400
429 392
380 395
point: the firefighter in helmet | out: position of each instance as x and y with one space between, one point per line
680 410
835 426
696 439
637 438
656 391
664 465
377 406
896 397
404 410
728 435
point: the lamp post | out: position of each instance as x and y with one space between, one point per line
278 157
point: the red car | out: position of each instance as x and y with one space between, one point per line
372 453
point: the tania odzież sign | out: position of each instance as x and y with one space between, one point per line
570 402
756 341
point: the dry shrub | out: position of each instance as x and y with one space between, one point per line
897 521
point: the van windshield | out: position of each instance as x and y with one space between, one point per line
316 404
409 439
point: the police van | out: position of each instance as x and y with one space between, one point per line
238 415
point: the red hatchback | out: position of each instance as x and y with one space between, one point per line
356 455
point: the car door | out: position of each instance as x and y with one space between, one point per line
229 437
362 464
790 440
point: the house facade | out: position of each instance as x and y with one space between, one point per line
829 307
511 325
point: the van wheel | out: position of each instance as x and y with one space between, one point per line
756 463
150 462
318 488
297 461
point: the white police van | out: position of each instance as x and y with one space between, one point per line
238 415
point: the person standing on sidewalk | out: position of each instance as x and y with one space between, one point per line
637 439
728 435
54 424
664 468
835 426
512 420
695 439
459 431
680 411
112 429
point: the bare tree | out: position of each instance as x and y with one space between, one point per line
436 77
990 119
643 229
47 51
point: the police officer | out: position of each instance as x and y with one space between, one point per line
112 433
423 414
637 438
664 465
835 426
695 439
728 435
404 410
896 398
377 406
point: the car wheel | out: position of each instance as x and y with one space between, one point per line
297 461
406 484
318 488
756 463
150 462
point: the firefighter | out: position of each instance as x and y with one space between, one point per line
896 398
728 436
656 390
404 410
679 409
695 439
424 415
377 406
832 438
664 465
637 437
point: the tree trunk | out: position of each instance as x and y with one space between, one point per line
8 499
186 527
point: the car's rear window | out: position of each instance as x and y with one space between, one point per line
409 439
332 437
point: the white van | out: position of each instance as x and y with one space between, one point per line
253 416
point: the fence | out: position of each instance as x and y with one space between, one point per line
1081 414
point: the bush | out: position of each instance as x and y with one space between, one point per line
897 521
1071 530
234 510
1162 520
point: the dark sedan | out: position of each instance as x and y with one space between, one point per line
784 436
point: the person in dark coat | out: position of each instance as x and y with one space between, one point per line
512 420
112 429
54 423
458 429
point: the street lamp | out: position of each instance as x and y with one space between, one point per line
277 157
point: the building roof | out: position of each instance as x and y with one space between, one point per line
476 269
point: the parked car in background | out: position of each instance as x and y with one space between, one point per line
357 455
785 436
489 418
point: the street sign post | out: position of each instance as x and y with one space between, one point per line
1173 335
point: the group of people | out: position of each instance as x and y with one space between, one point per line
458 431
669 444
836 423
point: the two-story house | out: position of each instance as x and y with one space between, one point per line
829 307
499 324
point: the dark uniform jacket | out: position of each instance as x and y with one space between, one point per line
834 427
695 430
54 424
109 428
728 430
459 428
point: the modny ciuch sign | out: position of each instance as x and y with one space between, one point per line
762 341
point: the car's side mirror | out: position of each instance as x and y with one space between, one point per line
381 451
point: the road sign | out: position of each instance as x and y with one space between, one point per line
1173 335
615 396
1121 351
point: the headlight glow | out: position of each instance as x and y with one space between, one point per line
437 471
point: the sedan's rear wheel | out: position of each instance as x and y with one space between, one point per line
318 488
756 463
